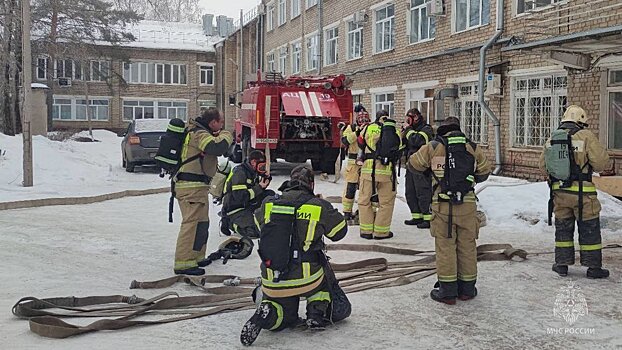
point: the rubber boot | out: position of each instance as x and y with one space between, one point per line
390 235
561 270
413 222
466 290
423 225
597 272
316 324
254 325
367 235
195 271
446 292
347 215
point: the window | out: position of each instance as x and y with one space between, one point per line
537 106
206 75
471 13
154 73
67 68
146 109
312 52
270 16
332 48
283 59
205 104
423 100
296 56
468 110
384 101
42 66
523 6
295 9
311 3
282 12
355 40
99 70
615 109
421 27
270 60
385 28
74 108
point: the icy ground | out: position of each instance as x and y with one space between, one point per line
98 249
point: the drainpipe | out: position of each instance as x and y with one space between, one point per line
320 33
480 96
241 62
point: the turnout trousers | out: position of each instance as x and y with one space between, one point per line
194 230
419 195
566 213
376 221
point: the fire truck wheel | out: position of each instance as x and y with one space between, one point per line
316 164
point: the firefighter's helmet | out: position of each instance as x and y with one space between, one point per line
237 247
575 114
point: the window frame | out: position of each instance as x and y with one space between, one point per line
74 105
535 9
282 9
430 20
296 62
205 68
271 62
460 110
468 26
270 20
555 94
310 4
391 103
293 14
388 19
163 73
46 62
612 88
156 105
282 57
354 34
312 55
327 46
101 77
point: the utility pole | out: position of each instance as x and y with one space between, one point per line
26 93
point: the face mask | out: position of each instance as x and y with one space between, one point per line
261 168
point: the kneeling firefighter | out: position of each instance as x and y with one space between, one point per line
293 264
245 189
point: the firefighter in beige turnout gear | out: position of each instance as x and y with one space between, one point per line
205 136
589 155
375 222
353 170
456 251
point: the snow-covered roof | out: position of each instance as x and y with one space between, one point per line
171 35
38 86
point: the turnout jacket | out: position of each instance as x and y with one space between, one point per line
589 154
241 187
416 137
432 156
348 139
316 218
201 140
369 137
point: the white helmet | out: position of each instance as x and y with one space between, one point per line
575 114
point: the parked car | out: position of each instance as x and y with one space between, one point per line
141 141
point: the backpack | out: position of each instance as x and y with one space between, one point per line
388 146
459 170
278 236
217 185
559 157
168 155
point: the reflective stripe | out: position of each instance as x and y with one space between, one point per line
306 270
205 141
235 211
427 217
310 235
336 229
389 123
309 212
266 214
279 313
417 215
467 278
564 244
251 193
238 187
574 188
382 229
293 283
257 223
367 227
471 178
452 278
425 136
409 133
456 139
227 182
178 129
588 247
319 296
165 160
269 274
347 206
185 264
281 209
184 151
190 184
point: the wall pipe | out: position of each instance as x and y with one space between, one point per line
480 95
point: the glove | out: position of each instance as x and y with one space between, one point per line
341 126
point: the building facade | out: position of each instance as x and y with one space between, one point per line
168 72
546 55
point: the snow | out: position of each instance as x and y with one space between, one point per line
98 249
38 86
150 125
171 36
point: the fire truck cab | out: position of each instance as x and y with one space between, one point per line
297 117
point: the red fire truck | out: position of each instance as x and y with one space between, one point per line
295 118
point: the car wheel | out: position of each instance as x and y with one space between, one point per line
123 162
129 166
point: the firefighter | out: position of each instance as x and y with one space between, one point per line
575 199
378 181
205 136
454 225
418 185
245 189
293 264
349 140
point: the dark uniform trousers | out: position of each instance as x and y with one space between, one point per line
243 222
284 311
456 256
419 195
566 213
